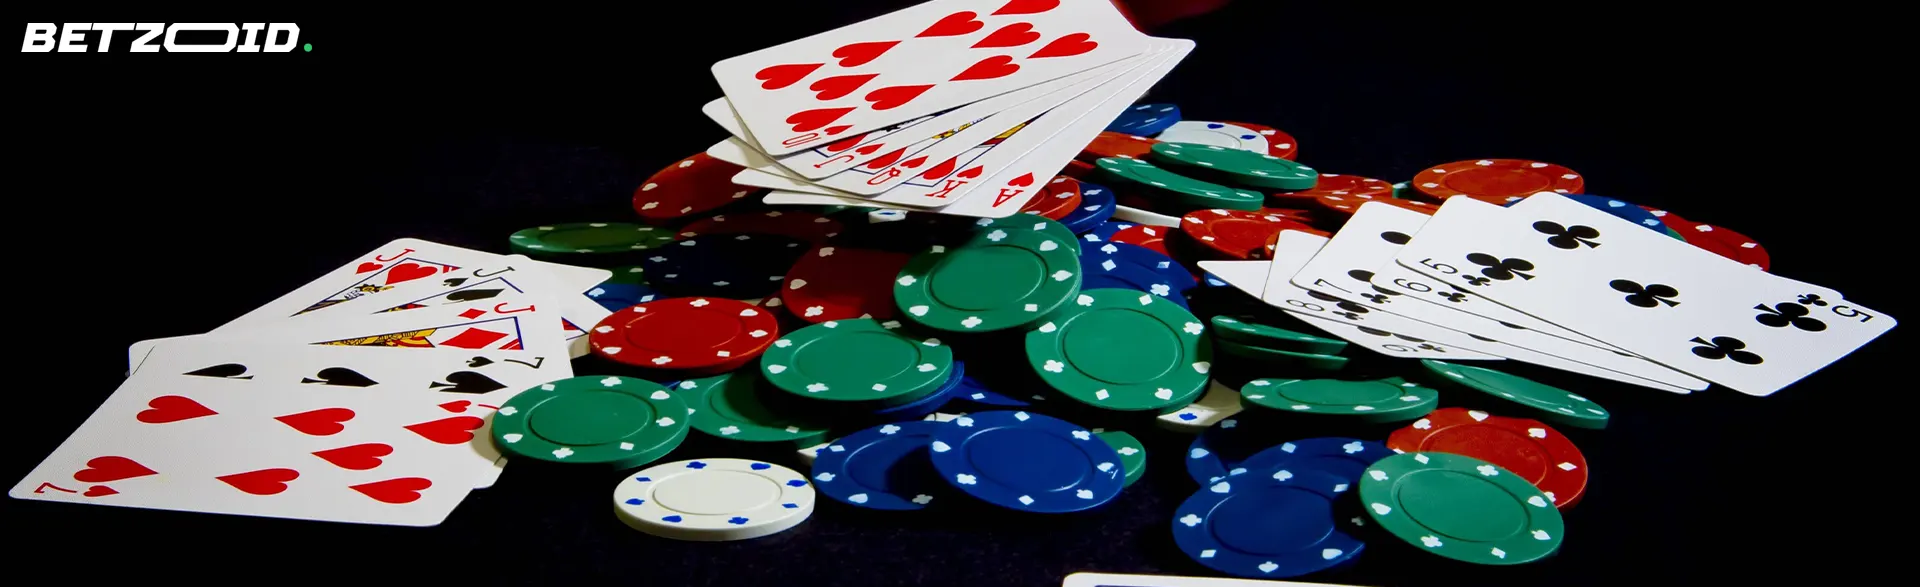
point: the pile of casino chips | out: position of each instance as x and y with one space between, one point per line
909 361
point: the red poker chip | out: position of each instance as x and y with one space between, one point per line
1274 241
689 186
1497 181
1115 144
1718 240
1078 169
1294 214
685 334
1055 201
1531 449
1279 143
1236 234
1345 206
842 283
805 226
1152 237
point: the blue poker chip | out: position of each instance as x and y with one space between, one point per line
1096 206
1218 449
971 389
1027 462
1276 525
1103 272
1208 279
737 266
886 467
1146 119
932 402
620 296
1104 231
1168 269
1345 457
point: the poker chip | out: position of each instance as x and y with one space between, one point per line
1342 195
1101 270
1218 134
580 241
1279 143
1235 166
1234 447
1623 210
931 402
1077 169
1147 180
1114 144
609 420
1527 448
1145 119
984 228
840 283
1543 401
971 389
1133 455
1390 400
1122 350
1124 213
736 406
812 228
1718 240
1279 358
1059 198
1096 206
1275 525
1001 279
813 363
1027 462
738 266
627 287
1496 180
1167 268
1236 234
1228 328
1151 238
714 500
685 334
886 467
689 186
1461 508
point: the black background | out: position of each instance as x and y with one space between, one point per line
163 194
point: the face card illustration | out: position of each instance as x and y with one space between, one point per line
924 59
1657 297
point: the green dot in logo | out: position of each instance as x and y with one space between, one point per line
307 47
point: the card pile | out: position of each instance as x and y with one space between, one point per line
1556 282
361 397
963 107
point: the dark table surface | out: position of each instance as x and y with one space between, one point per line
165 194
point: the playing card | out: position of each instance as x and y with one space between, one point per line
917 61
515 276
1385 333
481 379
1017 168
400 262
164 441
1344 268
1654 296
1119 580
1218 403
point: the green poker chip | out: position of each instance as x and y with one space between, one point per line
1228 328
732 406
1546 402
1382 401
1280 358
1461 508
619 421
1239 166
1123 350
588 238
1140 176
1133 455
999 280
862 360
1040 224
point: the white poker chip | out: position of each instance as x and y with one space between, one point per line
1218 134
1219 403
885 215
714 500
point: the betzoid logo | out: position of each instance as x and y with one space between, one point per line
153 37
